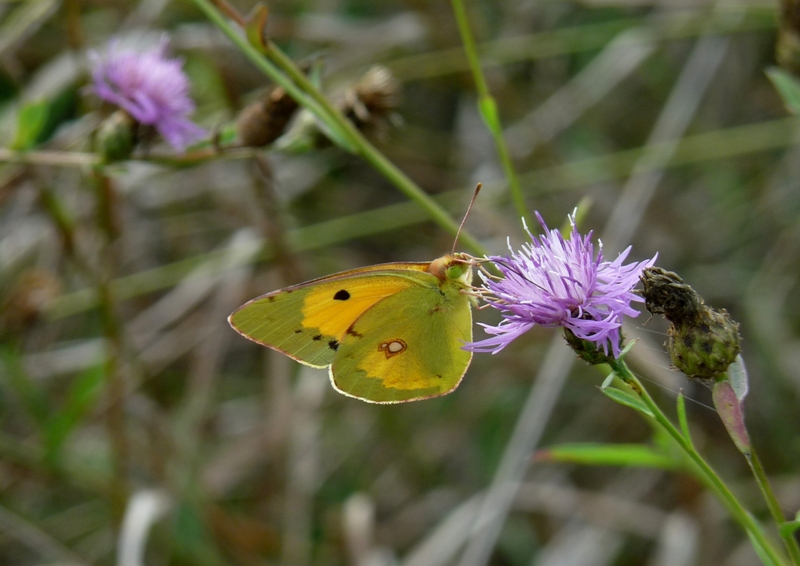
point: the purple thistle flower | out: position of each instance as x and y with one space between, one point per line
557 282
150 87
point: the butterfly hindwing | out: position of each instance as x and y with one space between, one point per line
308 321
407 346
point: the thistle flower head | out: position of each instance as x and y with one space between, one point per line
149 86
553 281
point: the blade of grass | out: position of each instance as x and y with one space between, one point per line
595 454
487 107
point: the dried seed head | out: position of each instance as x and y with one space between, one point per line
702 341
665 293
265 120
370 102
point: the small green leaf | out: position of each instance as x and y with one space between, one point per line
30 121
608 381
627 348
788 528
255 28
624 398
595 454
788 86
491 117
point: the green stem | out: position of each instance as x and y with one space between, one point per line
709 476
368 151
284 72
772 503
108 223
488 107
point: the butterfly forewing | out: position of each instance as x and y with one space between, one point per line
308 321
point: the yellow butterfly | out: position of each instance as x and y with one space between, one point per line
390 333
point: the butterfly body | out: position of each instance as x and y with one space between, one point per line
390 333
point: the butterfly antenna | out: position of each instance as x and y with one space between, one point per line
466 215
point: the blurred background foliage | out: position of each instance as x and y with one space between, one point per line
125 396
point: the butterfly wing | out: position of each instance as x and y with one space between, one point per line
407 346
308 321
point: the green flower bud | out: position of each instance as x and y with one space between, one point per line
116 137
588 351
702 341
706 346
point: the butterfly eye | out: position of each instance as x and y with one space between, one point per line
455 271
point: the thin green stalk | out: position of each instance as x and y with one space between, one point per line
774 507
108 223
488 107
709 476
284 72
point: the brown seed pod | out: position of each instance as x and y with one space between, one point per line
265 120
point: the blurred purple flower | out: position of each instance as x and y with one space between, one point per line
557 282
150 87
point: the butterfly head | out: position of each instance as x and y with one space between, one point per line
453 267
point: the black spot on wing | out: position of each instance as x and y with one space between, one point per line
298 331
353 333
342 295
317 337
333 345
